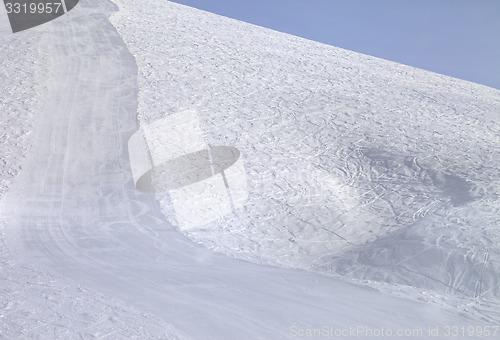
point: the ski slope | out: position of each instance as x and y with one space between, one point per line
372 186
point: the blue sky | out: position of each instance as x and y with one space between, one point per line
459 38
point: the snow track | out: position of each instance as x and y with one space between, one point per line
73 213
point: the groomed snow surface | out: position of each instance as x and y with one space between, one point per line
372 186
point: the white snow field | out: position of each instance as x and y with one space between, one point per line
372 187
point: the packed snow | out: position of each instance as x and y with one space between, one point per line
364 193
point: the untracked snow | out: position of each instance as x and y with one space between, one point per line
372 186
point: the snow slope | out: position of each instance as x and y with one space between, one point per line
343 153
356 166
37 302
